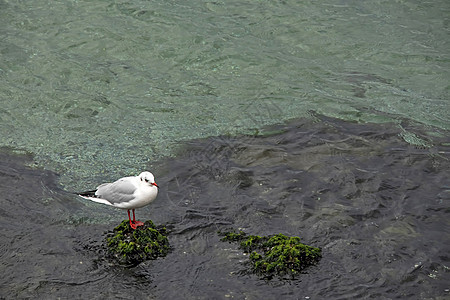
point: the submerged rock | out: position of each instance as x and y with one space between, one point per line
276 254
133 246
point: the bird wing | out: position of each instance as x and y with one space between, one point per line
119 191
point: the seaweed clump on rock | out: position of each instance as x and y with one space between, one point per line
276 254
133 246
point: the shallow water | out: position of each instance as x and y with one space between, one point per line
95 89
355 159
377 206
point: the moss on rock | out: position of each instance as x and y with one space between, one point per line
276 254
133 246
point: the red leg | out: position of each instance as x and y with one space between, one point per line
137 223
134 218
129 218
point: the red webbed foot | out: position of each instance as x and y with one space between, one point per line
132 225
138 223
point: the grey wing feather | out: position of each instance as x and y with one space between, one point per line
116 192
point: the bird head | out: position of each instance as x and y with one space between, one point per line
148 178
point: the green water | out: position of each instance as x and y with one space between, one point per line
96 89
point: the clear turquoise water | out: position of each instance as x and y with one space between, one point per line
98 89
95 90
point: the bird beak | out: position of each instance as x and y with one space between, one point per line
154 183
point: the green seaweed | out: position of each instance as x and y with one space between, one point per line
131 247
276 254
232 236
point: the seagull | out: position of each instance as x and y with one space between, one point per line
127 193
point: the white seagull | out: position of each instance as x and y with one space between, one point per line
126 193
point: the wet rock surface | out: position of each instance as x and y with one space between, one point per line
376 205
